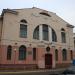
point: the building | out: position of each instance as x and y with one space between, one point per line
74 40
34 37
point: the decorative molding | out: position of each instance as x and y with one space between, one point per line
41 45
35 15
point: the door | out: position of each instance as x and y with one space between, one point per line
48 61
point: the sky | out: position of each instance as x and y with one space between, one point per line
63 8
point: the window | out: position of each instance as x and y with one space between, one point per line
23 29
74 42
34 53
64 54
62 29
23 21
71 54
22 52
45 32
63 35
56 55
9 52
45 14
36 33
54 37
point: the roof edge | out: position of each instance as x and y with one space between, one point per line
69 25
9 11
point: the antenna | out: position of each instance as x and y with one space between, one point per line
34 3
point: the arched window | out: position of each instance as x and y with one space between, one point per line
45 32
36 33
45 14
71 54
54 37
62 29
22 52
34 53
63 36
56 54
23 28
9 52
64 54
23 21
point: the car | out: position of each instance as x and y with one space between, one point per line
70 70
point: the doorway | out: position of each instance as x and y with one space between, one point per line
48 61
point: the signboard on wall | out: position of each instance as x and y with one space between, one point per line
73 62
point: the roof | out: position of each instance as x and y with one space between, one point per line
33 8
13 11
9 10
71 26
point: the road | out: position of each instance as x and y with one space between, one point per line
40 73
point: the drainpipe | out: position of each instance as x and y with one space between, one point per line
0 38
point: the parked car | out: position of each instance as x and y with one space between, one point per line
70 70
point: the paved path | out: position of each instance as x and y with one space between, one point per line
34 72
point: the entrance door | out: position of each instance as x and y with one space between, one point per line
48 61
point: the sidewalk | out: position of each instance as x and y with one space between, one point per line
31 71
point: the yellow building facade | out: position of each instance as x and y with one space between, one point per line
35 38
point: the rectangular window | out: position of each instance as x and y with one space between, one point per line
45 33
9 55
56 55
64 55
9 52
22 55
54 38
23 31
36 33
71 54
34 53
63 36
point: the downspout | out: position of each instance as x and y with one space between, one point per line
0 42
1 30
